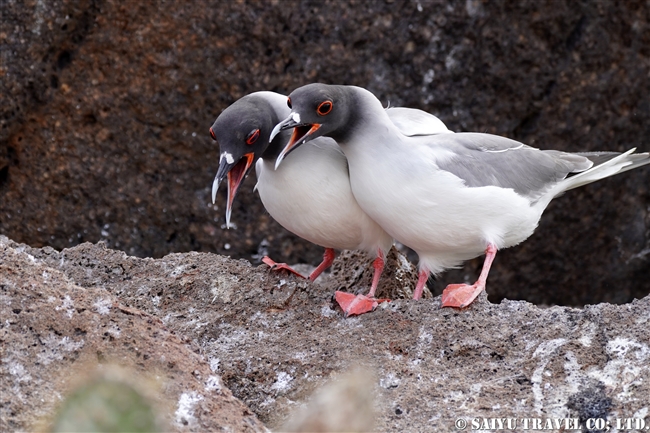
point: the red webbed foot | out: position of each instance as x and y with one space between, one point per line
280 266
460 295
356 304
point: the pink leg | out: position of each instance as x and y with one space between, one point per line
419 288
378 264
328 258
461 295
359 304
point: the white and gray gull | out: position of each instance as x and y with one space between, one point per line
310 194
449 197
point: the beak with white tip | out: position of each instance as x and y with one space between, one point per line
236 172
301 131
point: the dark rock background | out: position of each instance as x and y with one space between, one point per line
105 109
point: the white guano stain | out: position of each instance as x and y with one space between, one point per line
103 306
626 368
18 371
186 403
213 384
282 382
67 305
544 352
55 348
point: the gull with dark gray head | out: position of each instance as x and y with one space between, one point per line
449 197
310 194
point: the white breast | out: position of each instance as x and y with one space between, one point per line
431 211
310 195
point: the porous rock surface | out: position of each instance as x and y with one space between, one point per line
274 339
350 272
105 108
54 333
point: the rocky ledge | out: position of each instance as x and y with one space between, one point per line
231 346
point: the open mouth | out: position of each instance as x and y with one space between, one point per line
300 132
235 177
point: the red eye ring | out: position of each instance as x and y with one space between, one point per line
214 137
324 108
289 103
253 136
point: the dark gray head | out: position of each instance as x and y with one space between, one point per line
317 110
242 131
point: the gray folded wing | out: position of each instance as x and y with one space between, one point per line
412 122
489 160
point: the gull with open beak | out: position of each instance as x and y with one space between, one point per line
449 197
310 194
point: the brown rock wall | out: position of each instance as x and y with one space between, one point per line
105 106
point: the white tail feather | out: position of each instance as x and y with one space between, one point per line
614 166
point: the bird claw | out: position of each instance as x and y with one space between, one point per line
356 304
280 266
460 295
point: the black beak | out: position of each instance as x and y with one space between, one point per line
301 132
236 173
290 122
224 169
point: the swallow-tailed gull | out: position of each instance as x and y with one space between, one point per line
449 197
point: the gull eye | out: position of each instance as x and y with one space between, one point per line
324 108
289 102
253 136
214 137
